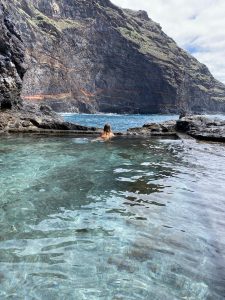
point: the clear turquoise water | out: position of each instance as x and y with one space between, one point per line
128 219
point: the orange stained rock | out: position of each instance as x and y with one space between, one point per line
48 96
86 93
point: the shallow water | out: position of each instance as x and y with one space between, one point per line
128 219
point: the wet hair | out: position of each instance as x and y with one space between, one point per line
107 128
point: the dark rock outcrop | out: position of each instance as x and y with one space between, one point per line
202 128
32 118
192 126
155 129
11 62
16 115
92 56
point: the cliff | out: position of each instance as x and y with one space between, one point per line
11 62
92 56
15 114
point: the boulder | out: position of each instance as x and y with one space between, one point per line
154 129
201 127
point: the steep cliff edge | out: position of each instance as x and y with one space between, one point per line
11 62
15 114
92 56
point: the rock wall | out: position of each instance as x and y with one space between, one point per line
11 62
15 114
92 56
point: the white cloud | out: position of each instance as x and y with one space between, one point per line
196 25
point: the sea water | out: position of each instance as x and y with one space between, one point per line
134 218
120 122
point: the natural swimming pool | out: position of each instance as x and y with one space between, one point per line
132 218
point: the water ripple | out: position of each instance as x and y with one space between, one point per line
130 219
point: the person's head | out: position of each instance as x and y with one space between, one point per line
107 128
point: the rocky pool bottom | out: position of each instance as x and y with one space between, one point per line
134 218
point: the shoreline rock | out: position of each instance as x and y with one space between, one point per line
195 126
154 129
202 128
30 118
42 120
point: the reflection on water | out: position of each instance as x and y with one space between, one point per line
127 219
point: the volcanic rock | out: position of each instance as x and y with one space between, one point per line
155 129
12 66
16 115
203 128
88 56
31 117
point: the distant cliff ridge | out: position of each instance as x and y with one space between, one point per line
90 56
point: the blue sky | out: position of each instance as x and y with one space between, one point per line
197 26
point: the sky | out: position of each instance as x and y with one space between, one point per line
196 25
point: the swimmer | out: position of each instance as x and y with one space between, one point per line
106 134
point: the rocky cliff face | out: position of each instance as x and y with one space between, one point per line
11 62
91 56
16 115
